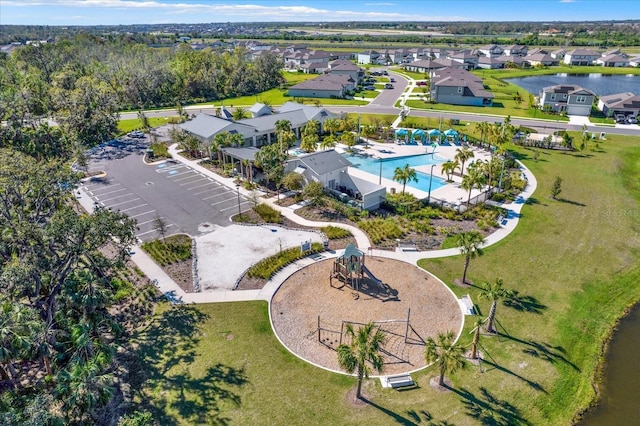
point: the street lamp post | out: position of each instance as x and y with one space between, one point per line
238 192
380 175
501 174
430 180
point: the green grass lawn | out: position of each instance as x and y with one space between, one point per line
573 261
125 126
278 97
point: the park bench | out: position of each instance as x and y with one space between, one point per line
400 381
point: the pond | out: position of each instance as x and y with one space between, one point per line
600 84
621 379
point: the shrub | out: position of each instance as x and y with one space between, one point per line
269 266
380 230
334 232
268 213
175 248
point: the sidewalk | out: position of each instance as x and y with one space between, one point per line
176 295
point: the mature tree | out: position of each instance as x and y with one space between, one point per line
446 354
405 174
470 244
331 125
293 181
271 160
314 192
328 142
349 139
240 113
283 132
448 168
483 128
144 121
493 292
474 179
309 143
462 155
363 349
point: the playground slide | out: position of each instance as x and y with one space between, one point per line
370 275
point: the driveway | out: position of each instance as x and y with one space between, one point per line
187 200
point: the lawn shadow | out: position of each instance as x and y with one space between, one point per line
575 203
534 385
524 303
422 417
489 410
162 375
533 200
395 416
544 351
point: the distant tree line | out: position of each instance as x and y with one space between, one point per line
82 82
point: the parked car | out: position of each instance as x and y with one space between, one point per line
421 83
620 118
369 88
388 86
393 80
632 120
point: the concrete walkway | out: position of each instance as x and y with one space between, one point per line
175 294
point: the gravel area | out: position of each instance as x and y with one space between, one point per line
307 294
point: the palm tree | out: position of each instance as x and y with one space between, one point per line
462 155
470 243
363 350
328 142
447 355
448 168
493 292
404 175
282 127
311 128
309 143
240 113
473 180
483 128
331 125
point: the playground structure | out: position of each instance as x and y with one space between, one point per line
350 269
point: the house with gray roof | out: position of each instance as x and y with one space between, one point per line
259 109
580 57
459 87
515 50
569 98
620 103
613 60
331 169
488 63
426 66
542 59
491 50
324 86
344 67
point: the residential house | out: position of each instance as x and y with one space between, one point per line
620 103
331 169
459 87
613 60
344 67
314 67
634 61
426 66
540 59
558 54
468 59
324 86
572 99
515 50
535 51
510 59
259 109
491 50
580 57
488 63
371 57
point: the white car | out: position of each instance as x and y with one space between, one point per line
632 120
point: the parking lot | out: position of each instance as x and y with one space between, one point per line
187 200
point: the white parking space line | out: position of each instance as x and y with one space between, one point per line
235 207
132 208
217 195
148 221
153 230
169 176
141 214
223 201
168 169
111 192
124 202
194 181
118 196
190 172
200 186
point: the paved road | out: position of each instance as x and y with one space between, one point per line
187 200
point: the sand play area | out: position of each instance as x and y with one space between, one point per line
307 294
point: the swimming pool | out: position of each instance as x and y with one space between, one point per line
372 165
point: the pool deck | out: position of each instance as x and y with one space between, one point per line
451 193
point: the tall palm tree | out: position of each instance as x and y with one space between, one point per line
475 179
483 128
448 168
331 125
462 155
448 356
240 114
364 349
493 292
404 175
282 127
470 244
328 142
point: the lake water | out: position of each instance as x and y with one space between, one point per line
599 84
621 380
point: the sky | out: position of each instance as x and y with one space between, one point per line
114 12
